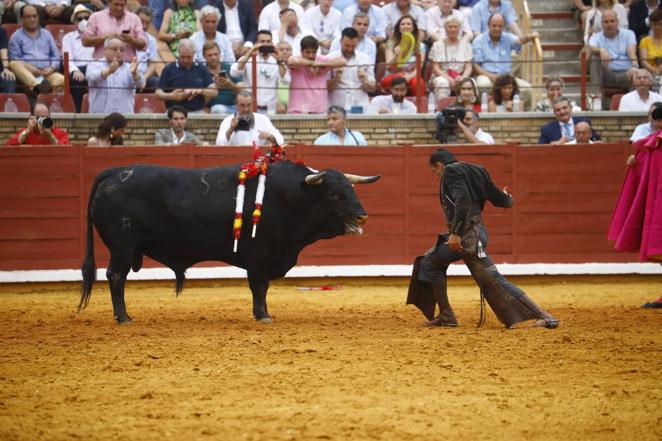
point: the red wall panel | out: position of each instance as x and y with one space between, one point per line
563 200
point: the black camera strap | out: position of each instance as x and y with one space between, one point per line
356 141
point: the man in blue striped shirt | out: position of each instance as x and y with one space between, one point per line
33 52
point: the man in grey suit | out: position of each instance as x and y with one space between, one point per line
177 133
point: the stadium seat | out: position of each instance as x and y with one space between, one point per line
66 102
55 29
445 102
154 105
21 101
424 103
10 28
615 101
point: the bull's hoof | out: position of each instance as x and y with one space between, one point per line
264 320
125 322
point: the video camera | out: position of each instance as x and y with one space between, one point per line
447 124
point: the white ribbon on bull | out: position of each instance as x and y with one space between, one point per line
259 196
239 210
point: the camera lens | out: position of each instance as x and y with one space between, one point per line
45 122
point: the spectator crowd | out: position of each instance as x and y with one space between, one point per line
324 57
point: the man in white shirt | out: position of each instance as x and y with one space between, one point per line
394 103
641 98
377 28
647 128
270 15
246 127
289 30
397 8
113 81
349 86
365 45
149 61
269 71
79 55
323 22
473 134
209 16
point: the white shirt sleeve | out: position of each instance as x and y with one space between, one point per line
221 139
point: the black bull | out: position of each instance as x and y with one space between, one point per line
180 217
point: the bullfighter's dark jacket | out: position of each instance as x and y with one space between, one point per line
464 189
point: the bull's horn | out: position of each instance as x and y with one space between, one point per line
356 179
315 179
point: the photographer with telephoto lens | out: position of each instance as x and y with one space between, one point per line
246 126
40 130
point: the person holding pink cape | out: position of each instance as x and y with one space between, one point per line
636 223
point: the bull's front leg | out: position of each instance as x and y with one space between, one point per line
259 289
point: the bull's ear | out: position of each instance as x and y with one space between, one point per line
315 179
356 179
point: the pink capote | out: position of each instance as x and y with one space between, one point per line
636 223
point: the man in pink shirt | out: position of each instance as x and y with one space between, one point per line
115 21
308 89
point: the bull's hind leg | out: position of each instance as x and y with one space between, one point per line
259 289
116 275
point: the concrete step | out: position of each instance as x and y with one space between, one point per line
553 20
560 68
550 5
559 35
561 51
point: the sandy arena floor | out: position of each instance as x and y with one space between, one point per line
335 365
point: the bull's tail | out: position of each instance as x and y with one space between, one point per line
89 267
179 281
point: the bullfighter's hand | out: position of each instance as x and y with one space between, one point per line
454 242
631 161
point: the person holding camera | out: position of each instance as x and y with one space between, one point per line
228 86
473 134
115 21
269 71
113 82
40 130
246 127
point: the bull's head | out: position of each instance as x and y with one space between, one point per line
339 207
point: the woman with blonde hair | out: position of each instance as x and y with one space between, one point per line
593 20
180 21
451 60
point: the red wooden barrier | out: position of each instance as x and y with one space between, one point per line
563 200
